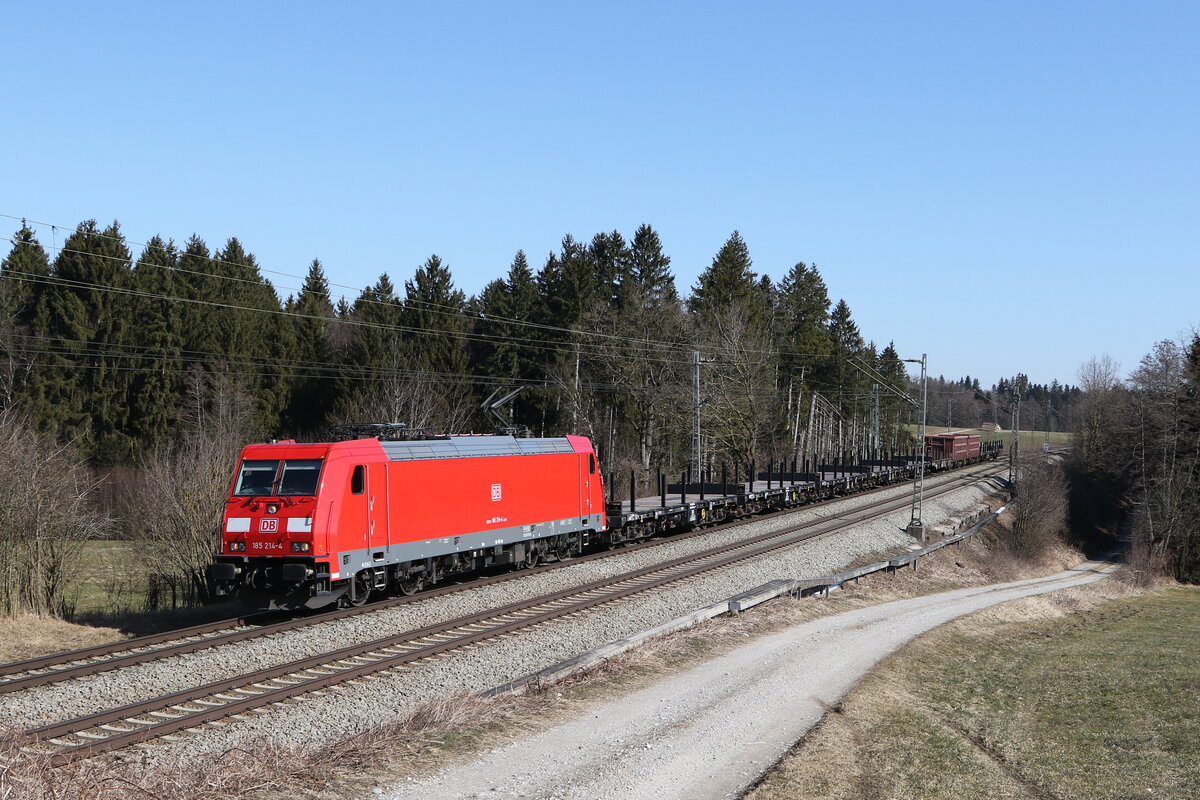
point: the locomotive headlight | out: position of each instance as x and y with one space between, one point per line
237 547
301 547
272 508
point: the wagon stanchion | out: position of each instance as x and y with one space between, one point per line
683 476
632 491
724 479
662 489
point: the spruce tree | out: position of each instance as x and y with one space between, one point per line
434 312
502 307
81 388
491 354
611 258
892 410
846 382
156 388
569 285
651 269
312 316
203 327
249 337
376 343
728 282
23 276
803 320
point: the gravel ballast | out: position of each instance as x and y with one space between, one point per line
355 707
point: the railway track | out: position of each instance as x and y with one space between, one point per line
32 673
170 714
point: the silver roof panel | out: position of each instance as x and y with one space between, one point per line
472 447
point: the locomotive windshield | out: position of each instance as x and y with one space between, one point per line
257 478
295 477
300 477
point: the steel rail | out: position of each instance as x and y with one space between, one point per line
54 668
162 716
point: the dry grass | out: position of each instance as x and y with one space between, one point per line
28 636
1041 697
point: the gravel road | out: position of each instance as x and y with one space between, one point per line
711 731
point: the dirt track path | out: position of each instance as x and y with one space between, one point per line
712 730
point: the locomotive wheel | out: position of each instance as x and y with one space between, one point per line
409 586
361 590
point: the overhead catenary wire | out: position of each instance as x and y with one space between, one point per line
275 367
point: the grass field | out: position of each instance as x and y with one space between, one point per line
114 578
1101 703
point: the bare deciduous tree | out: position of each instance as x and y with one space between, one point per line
416 397
177 504
47 513
742 401
650 385
1040 513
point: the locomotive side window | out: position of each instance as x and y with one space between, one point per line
591 464
358 480
256 479
300 476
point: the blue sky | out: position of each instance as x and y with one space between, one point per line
1006 186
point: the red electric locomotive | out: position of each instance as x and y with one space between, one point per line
309 525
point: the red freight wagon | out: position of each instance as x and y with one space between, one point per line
954 446
307 525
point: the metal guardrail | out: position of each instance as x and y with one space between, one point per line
822 584
733 605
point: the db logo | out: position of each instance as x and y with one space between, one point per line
495 491
266 525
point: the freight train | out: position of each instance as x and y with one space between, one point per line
312 525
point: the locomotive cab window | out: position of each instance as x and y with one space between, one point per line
256 479
358 480
591 464
299 477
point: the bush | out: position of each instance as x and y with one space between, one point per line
47 512
1040 513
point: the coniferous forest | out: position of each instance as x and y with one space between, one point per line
154 362
116 347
